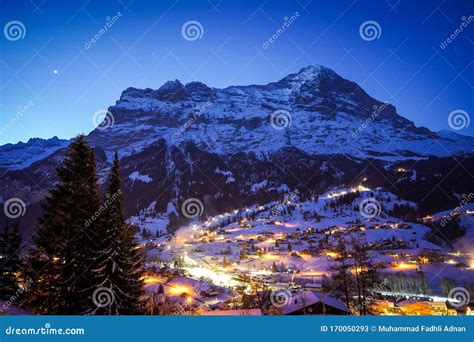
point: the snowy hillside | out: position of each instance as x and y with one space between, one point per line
21 155
242 145
293 240
315 110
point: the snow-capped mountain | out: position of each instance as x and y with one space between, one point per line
252 144
315 110
21 155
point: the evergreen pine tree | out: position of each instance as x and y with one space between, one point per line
120 265
365 272
65 242
161 289
10 261
341 271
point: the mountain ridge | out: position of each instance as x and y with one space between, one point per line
252 144
326 114
324 109
23 154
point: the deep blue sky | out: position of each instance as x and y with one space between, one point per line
144 48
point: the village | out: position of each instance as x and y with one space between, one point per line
277 259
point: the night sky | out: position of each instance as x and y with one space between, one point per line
63 78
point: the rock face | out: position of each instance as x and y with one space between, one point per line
245 144
325 114
20 155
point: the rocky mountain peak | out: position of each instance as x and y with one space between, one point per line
311 73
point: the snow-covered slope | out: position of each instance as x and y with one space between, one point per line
248 144
315 110
21 155
298 236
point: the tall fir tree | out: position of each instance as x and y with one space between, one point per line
120 264
341 271
366 273
11 264
66 240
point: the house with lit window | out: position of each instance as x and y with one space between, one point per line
314 303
